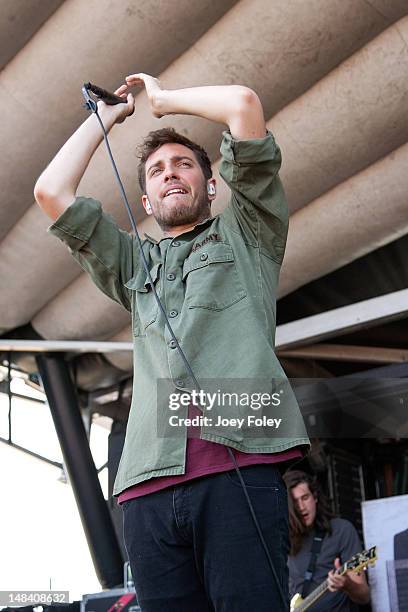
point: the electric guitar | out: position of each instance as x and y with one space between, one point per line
358 562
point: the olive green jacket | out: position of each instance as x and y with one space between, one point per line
218 284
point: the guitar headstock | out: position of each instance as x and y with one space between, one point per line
360 561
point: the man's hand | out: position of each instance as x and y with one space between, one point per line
336 582
353 584
153 89
235 105
56 187
117 113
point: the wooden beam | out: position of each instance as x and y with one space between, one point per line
340 352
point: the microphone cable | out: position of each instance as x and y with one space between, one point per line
112 99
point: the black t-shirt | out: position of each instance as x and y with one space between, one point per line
344 543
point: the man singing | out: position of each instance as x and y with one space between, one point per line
189 533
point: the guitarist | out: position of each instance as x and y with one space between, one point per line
319 542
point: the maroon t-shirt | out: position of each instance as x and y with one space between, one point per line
204 458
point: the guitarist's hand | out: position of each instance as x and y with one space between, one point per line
335 582
354 584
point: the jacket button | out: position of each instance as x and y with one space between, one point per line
203 256
175 243
171 276
179 383
172 344
173 313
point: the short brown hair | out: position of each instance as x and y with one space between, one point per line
158 138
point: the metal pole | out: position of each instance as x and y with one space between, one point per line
94 512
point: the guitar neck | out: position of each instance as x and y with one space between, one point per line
313 597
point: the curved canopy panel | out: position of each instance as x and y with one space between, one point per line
353 219
351 118
19 20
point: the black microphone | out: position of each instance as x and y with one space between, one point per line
105 96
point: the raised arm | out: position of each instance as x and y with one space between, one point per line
237 106
56 188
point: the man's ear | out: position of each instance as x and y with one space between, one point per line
146 204
212 189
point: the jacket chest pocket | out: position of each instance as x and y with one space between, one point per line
144 304
211 278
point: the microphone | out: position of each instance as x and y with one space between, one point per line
105 96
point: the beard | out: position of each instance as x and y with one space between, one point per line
181 213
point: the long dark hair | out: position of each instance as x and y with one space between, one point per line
297 529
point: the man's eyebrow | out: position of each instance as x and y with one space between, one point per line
175 158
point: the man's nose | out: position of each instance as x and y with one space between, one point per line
170 172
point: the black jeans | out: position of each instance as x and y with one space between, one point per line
194 547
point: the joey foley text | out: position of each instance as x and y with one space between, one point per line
207 401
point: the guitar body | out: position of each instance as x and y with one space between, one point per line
295 602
